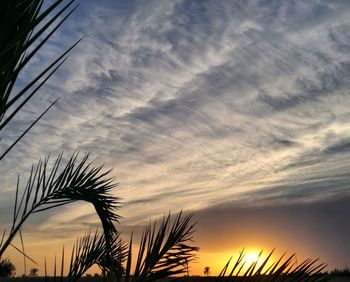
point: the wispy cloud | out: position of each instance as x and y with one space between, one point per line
195 102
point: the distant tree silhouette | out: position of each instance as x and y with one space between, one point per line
187 267
206 271
33 272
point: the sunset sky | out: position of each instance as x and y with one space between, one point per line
237 111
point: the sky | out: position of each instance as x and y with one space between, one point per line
237 111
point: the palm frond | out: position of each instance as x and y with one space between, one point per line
25 132
76 181
280 270
164 252
90 250
24 29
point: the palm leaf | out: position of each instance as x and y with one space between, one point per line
280 270
92 249
164 252
24 29
76 181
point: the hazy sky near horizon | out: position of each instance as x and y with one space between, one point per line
202 106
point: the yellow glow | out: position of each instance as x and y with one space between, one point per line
217 260
255 257
251 258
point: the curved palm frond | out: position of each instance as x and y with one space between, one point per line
164 252
76 181
24 29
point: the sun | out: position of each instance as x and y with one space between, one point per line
251 258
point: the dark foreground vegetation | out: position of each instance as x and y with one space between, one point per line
321 277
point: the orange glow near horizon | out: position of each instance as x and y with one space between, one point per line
214 254
214 260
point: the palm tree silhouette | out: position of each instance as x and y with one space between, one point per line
206 271
33 272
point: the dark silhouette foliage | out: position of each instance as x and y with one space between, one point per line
7 269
